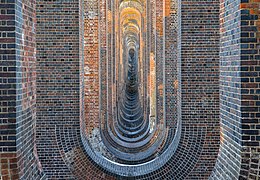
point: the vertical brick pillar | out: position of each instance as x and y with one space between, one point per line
91 65
8 159
250 92
239 90
159 59
18 153
171 71
103 61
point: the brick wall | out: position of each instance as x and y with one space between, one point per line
239 94
28 163
199 52
91 67
8 158
250 92
18 154
59 61
215 75
60 83
171 72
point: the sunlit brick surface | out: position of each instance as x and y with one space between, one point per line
91 65
129 89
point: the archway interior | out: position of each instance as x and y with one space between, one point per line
125 121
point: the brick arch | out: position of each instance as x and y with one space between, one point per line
204 62
195 138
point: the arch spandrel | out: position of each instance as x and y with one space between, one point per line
151 115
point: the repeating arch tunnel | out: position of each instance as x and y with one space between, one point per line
138 92
137 134
133 138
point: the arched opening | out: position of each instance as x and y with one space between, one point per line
129 124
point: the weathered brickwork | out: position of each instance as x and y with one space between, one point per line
159 59
239 111
229 91
59 58
28 163
59 64
199 81
18 154
171 71
103 60
204 73
8 77
91 65
199 87
89 88
250 92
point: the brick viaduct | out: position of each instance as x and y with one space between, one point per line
130 89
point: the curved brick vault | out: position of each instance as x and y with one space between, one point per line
129 89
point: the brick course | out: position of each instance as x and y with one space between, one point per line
18 154
60 67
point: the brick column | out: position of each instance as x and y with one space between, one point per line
18 153
8 158
239 90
